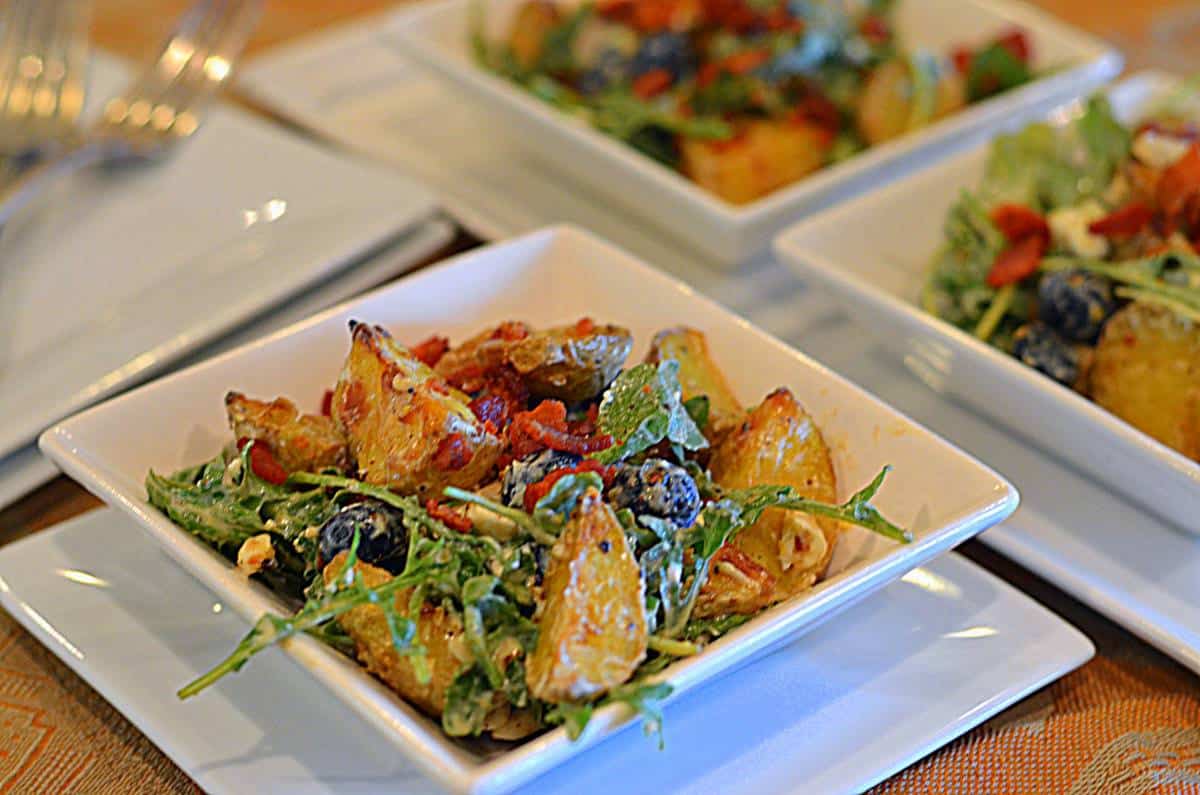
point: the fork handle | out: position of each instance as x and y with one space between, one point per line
40 176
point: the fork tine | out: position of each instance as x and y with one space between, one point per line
196 62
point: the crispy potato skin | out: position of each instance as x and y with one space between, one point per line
780 444
399 418
593 624
885 106
765 156
1146 370
300 442
699 375
562 363
438 631
735 585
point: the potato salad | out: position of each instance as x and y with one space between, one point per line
514 529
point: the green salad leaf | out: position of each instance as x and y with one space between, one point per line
642 408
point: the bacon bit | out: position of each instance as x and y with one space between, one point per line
511 331
491 410
1017 43
961 57
431 350
875 29
817 109
650 84
1019 261
584 326
708 74
535 491
453 453
1179 182
438 386
263 462
587 425
327 403
546 427
499 393
781 19
447 516
1016 222
743 62
1124 222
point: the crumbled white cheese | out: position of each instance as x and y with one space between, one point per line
1157 150
255 553
1069 226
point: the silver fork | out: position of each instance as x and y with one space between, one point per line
161 107
43 61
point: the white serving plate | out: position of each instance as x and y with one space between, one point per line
547 277
26 469
877 277
438 34
120 272
922 661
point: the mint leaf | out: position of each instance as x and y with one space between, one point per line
643 407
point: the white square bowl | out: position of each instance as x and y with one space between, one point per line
550 276
437 34
872 255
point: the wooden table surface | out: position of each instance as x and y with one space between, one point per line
1142 28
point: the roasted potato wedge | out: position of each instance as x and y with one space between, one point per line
299 442
780 444
736 584
1146 370
885 108
567 363
593 624
699 375
764 156
406 428
531 23
440 632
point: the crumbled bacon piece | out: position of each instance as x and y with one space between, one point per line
1124 222
535 491
263 462
546 427
652 83
584 326
1179 183
1016 221
327 403
431 350
587 425
453 453
1018 261
448 516
511 331
875 29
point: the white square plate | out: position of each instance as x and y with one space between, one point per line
922 661
121 272
438 34
878 276
548 277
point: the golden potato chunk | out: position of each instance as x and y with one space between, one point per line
1146 370
530 24
438 631
886 107
699 375
406 428
779 444
299 442
567 363
735 585
592 632
764 156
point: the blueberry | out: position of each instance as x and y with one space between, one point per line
610 68
1041 347
670 51
382 537
529 470
656 488
1075 303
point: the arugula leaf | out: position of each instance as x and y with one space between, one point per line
557 56
995 69
556 507
698 408
622 115
468 701
644 699
643 407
